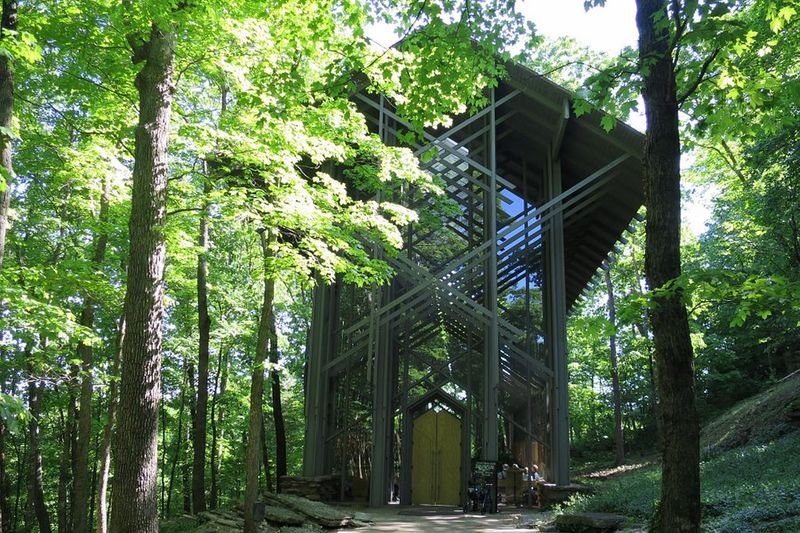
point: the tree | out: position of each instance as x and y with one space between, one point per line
80 503
678 46
254 448
108 430
134 505
204 326
277 404
8 25
619 439
679 508
36 481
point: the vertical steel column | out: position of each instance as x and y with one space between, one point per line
316 383
491 353
406 458
405 445
557 308
379 344
381 417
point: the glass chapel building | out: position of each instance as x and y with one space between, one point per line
462 357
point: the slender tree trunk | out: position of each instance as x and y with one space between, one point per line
265 454
186 476
80 495
135 503
593 412
5 511
67 462
5 488
22 454
204 326
641 326
93 479
217 429
277 406
30 515
162 474
203 266
619 437
679 509
9 22
36 482
256 395
178 447
186 461
108 431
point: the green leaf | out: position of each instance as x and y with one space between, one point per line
581 107
8 132
608 122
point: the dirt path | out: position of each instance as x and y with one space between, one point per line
441 519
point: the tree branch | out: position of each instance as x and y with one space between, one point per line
139 47
700 77
184 210
680 27
729 159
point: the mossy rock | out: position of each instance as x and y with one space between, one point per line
317 512
281 516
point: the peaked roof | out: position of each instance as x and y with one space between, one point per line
535 116
542 118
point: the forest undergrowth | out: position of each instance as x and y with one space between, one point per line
750 475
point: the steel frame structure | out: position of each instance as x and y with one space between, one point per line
477 310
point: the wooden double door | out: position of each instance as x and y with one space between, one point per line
436 459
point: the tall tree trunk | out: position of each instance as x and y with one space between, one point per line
29 515
9 22
65 468
5 510
256 394
644 331
162 474
93 479
186 476
186 462
36 482
80 495
108 431
217 428
265 454
204 326
679 509
218 392
5 487
619 438
135 504
178 447
22 455
277 406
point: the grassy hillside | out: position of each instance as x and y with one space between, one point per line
757 420
750 472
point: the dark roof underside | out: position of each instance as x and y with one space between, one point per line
591 231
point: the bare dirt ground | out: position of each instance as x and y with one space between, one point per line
445 519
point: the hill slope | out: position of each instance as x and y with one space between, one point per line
757 420
750 473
